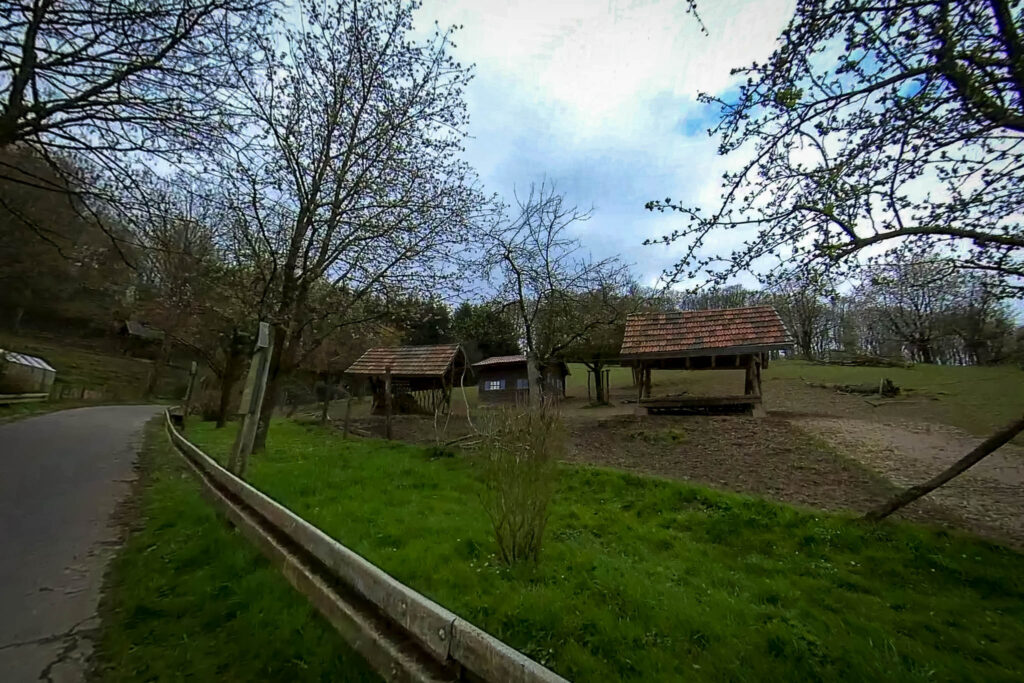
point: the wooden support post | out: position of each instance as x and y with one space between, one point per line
387 402
640 390
252 400
186 407
348 413
647 382
748 379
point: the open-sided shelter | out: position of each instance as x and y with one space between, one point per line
503 379
718 339
421 377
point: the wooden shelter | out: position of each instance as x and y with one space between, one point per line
420 378
503 379
718 339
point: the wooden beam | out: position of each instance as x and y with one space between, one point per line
387 402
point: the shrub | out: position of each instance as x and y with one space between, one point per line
522 448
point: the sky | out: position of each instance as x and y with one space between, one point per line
600 96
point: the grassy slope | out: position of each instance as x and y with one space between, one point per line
187 598
976 399
646 579
118 376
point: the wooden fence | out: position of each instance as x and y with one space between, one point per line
403 635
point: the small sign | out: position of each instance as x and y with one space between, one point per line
263 338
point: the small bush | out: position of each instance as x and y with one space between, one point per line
522 448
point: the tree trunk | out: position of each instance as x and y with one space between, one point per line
534 378
278 371
600 393
158 367
228 380
911 494
599 385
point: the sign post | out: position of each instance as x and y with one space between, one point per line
252 401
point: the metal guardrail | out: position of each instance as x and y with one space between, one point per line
403 635
7 399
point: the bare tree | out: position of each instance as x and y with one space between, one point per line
873 122
558 293
800 296
350 180
113 83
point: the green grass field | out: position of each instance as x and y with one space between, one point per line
188 598
648 579
977 399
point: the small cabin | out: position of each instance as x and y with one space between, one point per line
503 379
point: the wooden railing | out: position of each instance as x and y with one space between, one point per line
402 634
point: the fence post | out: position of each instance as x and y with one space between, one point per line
387 402
252 401
187 407
348 412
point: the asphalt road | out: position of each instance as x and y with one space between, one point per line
61 478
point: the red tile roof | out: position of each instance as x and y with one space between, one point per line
709 332
407 361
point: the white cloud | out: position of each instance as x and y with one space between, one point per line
601 97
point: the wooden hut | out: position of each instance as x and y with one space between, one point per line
421 377
719 339
503 379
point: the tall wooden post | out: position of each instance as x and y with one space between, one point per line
647 382
186 407
252 400
387 402
348 412
748 378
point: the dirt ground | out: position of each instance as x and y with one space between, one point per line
816 448
989 497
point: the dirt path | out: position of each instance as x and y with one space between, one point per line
989 497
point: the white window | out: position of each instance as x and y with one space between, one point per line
522 383
494 385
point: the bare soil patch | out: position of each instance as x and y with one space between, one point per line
765 457
989 497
